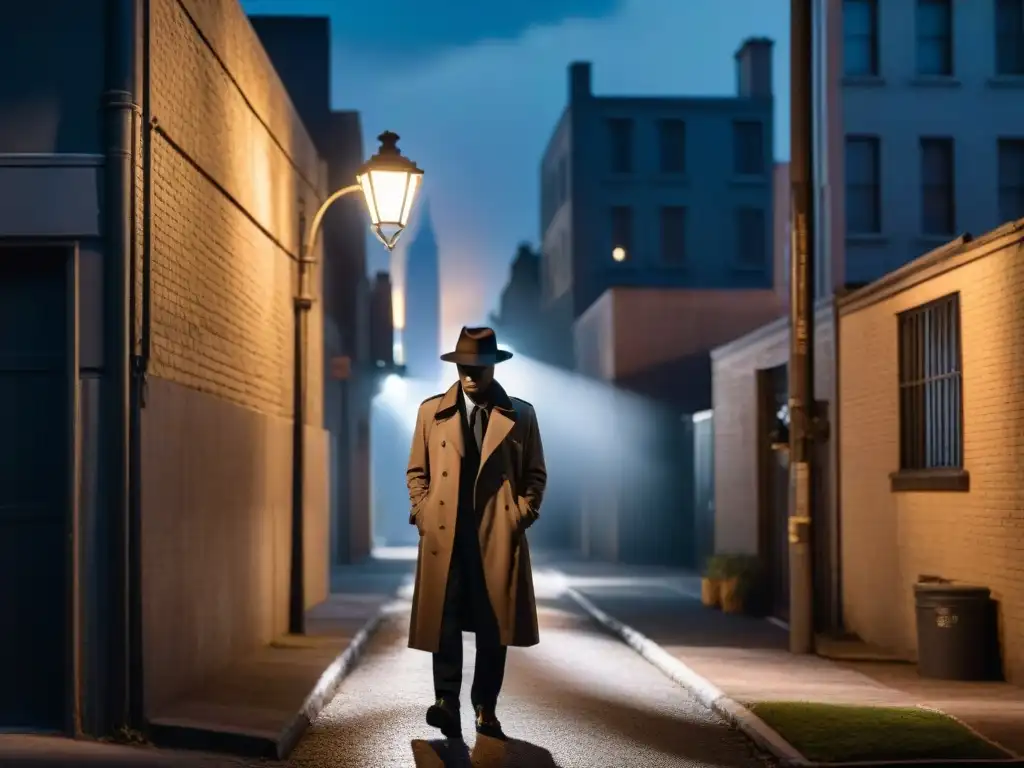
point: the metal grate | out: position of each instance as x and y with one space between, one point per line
931 386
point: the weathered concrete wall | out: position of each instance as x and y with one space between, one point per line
890 538
234 171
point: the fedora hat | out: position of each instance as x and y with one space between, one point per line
477 347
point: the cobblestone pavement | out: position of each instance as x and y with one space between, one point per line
580 699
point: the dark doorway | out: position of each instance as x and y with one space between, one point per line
774 474
36 450
704 487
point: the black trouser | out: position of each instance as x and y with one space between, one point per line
466 601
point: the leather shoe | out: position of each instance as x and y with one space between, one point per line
444 715
489 725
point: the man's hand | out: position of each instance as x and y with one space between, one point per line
417 475
535 474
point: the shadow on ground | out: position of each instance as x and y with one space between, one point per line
486 753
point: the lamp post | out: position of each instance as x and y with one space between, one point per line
805 428
389 182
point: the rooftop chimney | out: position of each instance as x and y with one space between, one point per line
754 68
579 81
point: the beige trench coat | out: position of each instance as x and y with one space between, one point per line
509 490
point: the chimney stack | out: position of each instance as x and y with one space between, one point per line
579 81
754 68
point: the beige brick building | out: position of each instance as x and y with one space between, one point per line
234 175
150 257
934 491
926 486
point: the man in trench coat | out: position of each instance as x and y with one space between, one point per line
476 479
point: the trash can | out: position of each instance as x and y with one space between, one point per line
956 633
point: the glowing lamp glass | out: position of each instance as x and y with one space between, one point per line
389 182
619 253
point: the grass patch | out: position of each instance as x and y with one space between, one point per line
830 733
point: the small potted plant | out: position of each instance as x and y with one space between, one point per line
738 577
710 582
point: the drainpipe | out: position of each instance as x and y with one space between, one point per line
837 620
139 372
119 111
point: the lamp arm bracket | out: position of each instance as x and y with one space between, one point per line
318 220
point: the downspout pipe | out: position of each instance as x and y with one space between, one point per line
119 117
141 315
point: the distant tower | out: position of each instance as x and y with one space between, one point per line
421 338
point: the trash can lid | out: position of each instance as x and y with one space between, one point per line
940 589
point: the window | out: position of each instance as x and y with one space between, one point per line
1010 37
563 181
1011 179
931 393
935 37
748 148
751 237
622 232
673 234
860 38
672 135
620 133
863 199
938 189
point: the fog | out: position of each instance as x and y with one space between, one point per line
601 445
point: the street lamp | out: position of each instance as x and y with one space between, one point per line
389 182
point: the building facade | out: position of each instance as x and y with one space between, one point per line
153 185
916 140
658 224
673 192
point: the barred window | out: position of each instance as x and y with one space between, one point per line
931 386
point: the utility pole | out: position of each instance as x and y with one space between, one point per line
801 358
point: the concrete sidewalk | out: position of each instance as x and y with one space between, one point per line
732 660
261 705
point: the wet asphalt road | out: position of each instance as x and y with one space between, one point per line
580 699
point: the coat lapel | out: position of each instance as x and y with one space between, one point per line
503 419
449 414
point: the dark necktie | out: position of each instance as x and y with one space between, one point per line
478 423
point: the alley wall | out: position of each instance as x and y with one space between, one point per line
234 177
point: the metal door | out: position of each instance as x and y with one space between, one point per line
36 449
773 394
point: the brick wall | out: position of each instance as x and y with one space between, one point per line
734 401
889 539
234 170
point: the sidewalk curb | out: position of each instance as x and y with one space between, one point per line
183 735
330 681
706 692
753 727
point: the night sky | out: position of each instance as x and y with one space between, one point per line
475 95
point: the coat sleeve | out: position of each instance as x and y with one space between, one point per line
417 475
535 472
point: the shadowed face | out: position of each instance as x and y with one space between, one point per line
476 380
